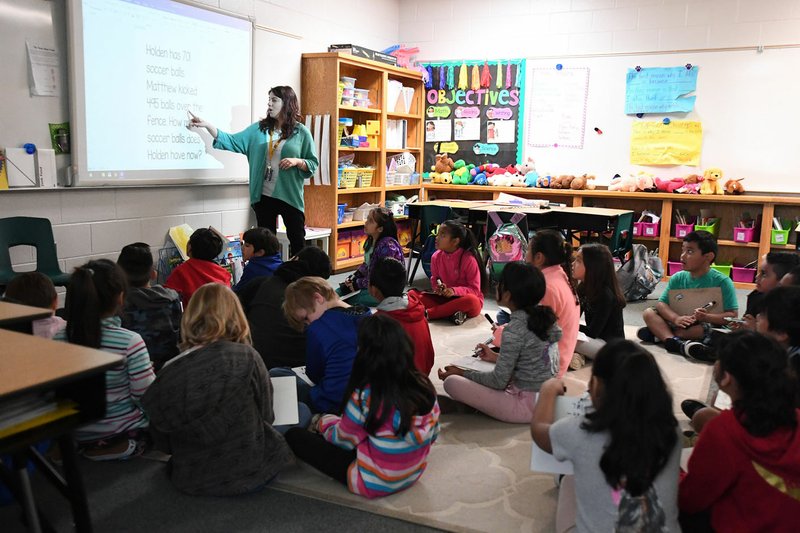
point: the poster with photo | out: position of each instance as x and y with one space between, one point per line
438 131
467 129
501 131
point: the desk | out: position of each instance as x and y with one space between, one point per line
19 317
31 364
320 237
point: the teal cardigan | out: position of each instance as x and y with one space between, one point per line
253 143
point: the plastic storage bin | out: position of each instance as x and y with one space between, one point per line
650 229
673 267
348 178
340 213
743 275
779 236
722 269
743 234
682 230
712 228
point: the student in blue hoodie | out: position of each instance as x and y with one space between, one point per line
261 251
331 327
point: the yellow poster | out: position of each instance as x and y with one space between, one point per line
3 173
676 143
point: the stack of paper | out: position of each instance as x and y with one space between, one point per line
407 96
393 91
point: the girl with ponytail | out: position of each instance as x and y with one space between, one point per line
552 254
94 296
528 357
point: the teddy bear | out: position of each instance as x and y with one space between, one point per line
691 185
733 186
585 181
444 163
669 185
626 184
711 182
563 181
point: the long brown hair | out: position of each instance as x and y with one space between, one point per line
600 275
289 115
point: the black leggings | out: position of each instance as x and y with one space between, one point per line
321 454
267 211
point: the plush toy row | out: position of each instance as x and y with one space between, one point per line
461 173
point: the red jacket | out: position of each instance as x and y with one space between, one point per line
413 320
193 274
749 483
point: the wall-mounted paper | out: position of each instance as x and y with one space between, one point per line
676 143
557 107
44 70
501 131
660 90
467 129
438 130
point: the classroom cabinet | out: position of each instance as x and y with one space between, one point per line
322 95
728 209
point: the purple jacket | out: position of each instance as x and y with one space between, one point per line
386 247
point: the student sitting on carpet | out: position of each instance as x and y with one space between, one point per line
380 444
381 242
458 275
261 250
772 270
601 298
94 296
689 335
745 468
528 355
386 285
37 290
626 478
331 327
211 405
203 247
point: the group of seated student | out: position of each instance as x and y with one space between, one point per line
370 415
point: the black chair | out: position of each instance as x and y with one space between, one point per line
430 216
37 232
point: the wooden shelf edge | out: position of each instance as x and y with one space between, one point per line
401 187
394 114
356 149
370 110
343 264
403 149
353 224
357 190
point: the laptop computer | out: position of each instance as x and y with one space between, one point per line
685 301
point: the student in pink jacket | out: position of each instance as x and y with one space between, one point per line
458 275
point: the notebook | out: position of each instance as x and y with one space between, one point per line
685 301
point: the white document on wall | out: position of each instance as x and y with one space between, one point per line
44 72
541 461
284 400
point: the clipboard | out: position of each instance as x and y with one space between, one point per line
685 301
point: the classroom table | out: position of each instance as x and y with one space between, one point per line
32 365
19 317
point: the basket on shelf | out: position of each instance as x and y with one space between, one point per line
365 176
402 159
348 177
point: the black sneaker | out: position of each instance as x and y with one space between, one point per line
458 318
645 335
690 407
674 345
699 352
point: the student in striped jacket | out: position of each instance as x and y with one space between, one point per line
379 445
94 296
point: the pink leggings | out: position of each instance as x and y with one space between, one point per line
442 307
510 405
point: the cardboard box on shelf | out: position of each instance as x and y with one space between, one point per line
360 51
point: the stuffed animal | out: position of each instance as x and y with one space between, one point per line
446 178
526 168
561 182
444 163
733 186
645 182
582 182
543 182
711 182
531 178
626 184
518 180
691 185
669 185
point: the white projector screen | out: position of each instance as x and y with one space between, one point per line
136 68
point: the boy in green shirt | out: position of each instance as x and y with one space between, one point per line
688 335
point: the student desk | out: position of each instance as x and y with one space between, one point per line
31 365
19 317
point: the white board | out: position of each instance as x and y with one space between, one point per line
746 102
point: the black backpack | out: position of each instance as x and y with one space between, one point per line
639 276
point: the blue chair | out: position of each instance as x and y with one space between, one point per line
37 232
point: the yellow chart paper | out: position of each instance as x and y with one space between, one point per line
676 143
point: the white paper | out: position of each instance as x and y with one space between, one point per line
438 131
301 373
467 129
541 461
284 400
468 362
722 401
686 453
557 114
501 131
43 70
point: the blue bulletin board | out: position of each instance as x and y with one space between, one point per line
475 111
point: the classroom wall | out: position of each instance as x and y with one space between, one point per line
96 223
456 29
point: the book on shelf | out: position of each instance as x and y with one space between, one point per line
396 133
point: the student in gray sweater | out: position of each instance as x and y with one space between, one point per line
528 357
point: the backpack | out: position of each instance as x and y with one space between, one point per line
428 249
507 243
639 276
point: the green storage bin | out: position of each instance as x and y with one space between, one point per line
779 236
712 228
722 269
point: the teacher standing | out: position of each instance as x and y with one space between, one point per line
281 154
